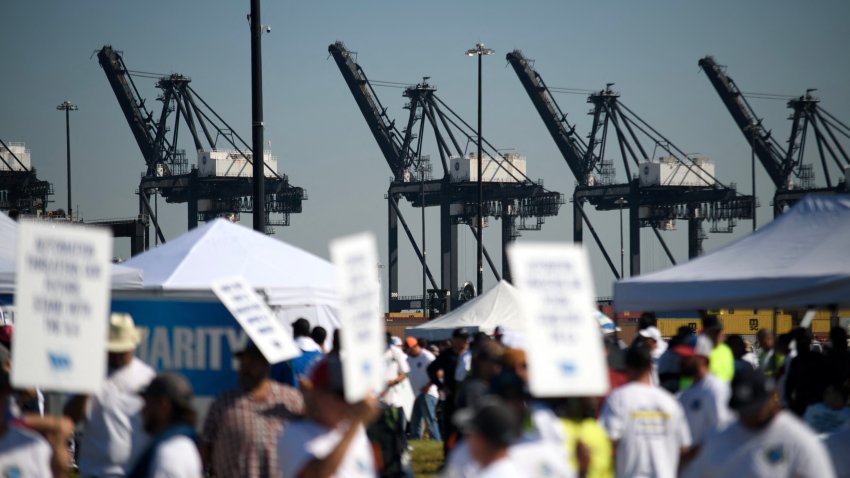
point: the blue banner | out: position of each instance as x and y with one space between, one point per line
193 337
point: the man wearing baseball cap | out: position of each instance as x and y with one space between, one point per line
114 437
706 401
425 405
169 418
765 441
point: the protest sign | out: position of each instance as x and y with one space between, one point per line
62 307
362 325
565 355
274 341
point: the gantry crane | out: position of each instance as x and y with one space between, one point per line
221 183
509 194
20 189
790 175
690 191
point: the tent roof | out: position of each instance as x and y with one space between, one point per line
499 306
219 249
800 259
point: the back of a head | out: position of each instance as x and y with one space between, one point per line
301 328
736 343
647 319
838 339
803 339
178 390
319 334
638 357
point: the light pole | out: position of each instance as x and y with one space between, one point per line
620 202
257 118
68 107
480 51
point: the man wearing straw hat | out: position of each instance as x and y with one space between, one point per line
113 435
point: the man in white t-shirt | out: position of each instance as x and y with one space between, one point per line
23 453
765 441
169 418
646 424
425 405
331 441
657 346
706 401
113 436
396 368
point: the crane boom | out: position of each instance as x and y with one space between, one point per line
770 154
375 115
562 132
133 107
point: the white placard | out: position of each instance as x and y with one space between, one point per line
62 307
565 355
362 335
256 318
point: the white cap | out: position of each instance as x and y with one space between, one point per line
651 332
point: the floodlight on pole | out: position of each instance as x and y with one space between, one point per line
480 51
67 107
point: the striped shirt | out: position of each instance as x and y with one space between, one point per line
243 432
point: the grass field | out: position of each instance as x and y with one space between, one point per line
426 456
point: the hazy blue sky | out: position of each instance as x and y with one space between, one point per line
649 49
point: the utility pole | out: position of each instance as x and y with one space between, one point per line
68 107
480 51
257 118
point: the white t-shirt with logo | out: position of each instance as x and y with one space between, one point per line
418 374
24 453
177 457
649 427
114 437
706 405
784 448
302 441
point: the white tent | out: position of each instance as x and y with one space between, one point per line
123 277
297 283
800 259
499 306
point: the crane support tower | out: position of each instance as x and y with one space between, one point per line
658 190
221 183
20 189
509 195
791 176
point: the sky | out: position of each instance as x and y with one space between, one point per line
648 49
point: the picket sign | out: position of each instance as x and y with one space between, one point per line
564 353
273 340
62 293
362 333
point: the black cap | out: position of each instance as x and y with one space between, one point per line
751 389
492 418
460 333
173 386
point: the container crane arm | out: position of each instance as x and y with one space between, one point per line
770 154
132 106
373 112
571 146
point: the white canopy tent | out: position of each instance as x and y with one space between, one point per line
295 282
499 306
800 259
123 278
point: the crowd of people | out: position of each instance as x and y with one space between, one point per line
699 405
